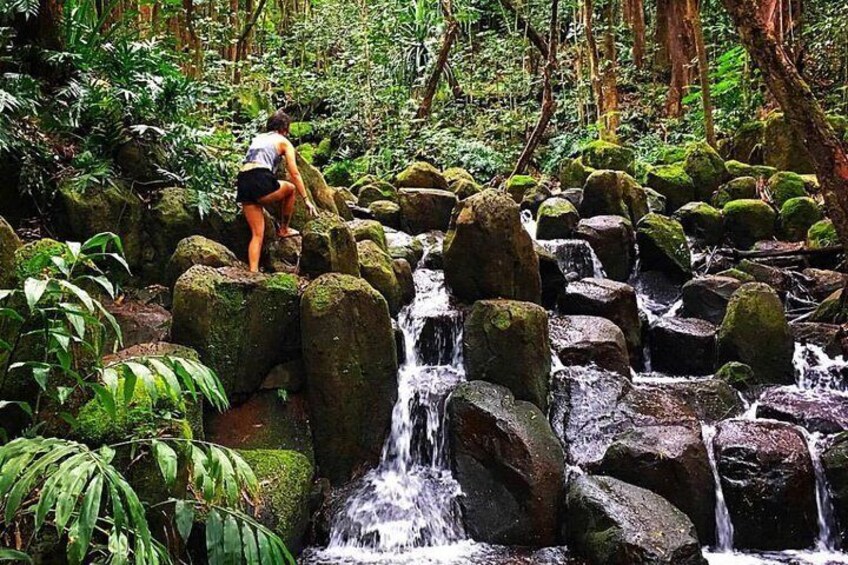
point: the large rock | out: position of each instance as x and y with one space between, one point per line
613 193
672 462
351 370
611 522
748 221
421 175
607 299
712 400
328 247
376 192
755 332
672 182
9 243
369 230
706 169
835 463
817 410
425 209
584 340
509 464
785 186
197 250
663 246
702 222
614 242
602 154
506 342
519 185
140 322
241 323
742 188
556 219
487 252
768 483
707 297
797 216
317 190
378 269
671 336
822 234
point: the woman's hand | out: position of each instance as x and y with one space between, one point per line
310 208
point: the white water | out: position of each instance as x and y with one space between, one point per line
724 525
814 368
827 540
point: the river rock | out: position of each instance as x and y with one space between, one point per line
140 322
663 246
506 342
611 522
378 269
711 399
822 282
351 370
401 245
556 219
707 297
608 299
421 175
386 212
786 185
518 185
613 193
748 221
818 410
674 183
369 230
584 340
671 336
328 247
614 242
768 483
755 332
425 209
797 216
701 222
534 197
241 323
487 252
706 169
376 192
553 279
197 250
508 463
600 154
742 188
835 464
9 243
455 174
827 336
822 234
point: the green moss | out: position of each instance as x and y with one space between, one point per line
742 188
822 234
282 281
748 221
421 175
737 169
797 215
556 219
701 221
738 375
328 290
380 190
517 186
662 245
300 130
737 274
786 185
307 152
369 230
339 173
674 183
573 173
323 151
35 258
456 174
375 265
602 154
706 168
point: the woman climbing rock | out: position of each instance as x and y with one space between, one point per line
258 186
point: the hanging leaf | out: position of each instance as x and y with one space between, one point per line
166 458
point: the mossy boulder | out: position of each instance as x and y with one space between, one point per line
657 203
35 257
197 250
534 197
351 368
377 191
370 230
755 332
797 216
674 183
318 191
738 375
386 212
738 169
323 152
362 181
786 185
506 342
573 173
425 209
831 310
663 246
464 188
613 239
742 188
746 143
376 267
9 244
241 323
487 252
285 484
748 221
404 246
602 154
702 222
328 247
706 168
822 234
421 175
454 175
603 195
306 151
556 219
518 185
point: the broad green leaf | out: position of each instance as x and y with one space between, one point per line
251 550
34 290
214 538
232 541
14 555
184 515
84 525
166 458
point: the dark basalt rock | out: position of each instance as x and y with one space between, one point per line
613 240
707 297
683 346
817 410
425 209
584 340
835 463
711 399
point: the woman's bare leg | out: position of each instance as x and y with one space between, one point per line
254 214
286 198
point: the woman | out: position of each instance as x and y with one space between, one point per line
258 186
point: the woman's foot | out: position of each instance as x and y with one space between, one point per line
284 232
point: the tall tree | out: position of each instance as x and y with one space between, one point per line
451 32
761 38
634 15
693 12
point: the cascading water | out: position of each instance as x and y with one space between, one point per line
827 540
724 526
814 368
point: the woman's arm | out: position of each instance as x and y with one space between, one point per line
290 155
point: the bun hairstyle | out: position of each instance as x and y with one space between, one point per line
279 121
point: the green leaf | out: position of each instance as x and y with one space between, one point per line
14 555
166 458
232 541
82 295
80 536
184 515
251 550
214 538
34 290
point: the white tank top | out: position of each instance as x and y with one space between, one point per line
264 150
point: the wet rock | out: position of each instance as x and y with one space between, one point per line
197 250
282 255
386 212
785 186
376 192
663 246
553 279
603 195
454 175
370 230
606 299
702 222
613 240
242 324
378 269
403 273
671 336
508 463
611 522
600 154
755 332
707 297
737 375
328 247
573 195
421 175
505 342
672 462
534 197
403 246
827 336
140 322
835 464
9 243
706 169
556 219
423 210
748 221
351 367
797 216
584 340
487 252
672 182
823 283
742 188
777 279
656 202
832 309
517 186
768 483
818 410
712 399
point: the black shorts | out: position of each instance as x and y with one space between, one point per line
255 184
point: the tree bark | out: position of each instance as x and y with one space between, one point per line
451 32
799 105
634 15
694 14
610 117
593 57
529 31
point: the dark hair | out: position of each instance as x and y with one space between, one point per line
279 121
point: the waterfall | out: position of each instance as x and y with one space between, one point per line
724 526
410 499
827 540
814 368
575 257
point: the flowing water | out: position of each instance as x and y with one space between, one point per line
724 526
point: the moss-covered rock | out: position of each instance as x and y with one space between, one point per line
674 183
755 332
786 185
831 310
339 174
380 190
518 185
738 375
657 203
602 154
748 221
318 191
34 258
371 230
573 173
425 209
197 250
702 222
613 239
306 151
328 247
404 246
742 188
323 152
822 234
386 212
738 170
464 188
376 267
9 244
285 483
556 219
797 216
421 175
351 366
487 252
241 323
746 143
663 247
455 174
603 195
706 168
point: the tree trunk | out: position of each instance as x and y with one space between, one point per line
451 32
694 13
634 15
800 107
611 117
593 57
45 28
529 31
